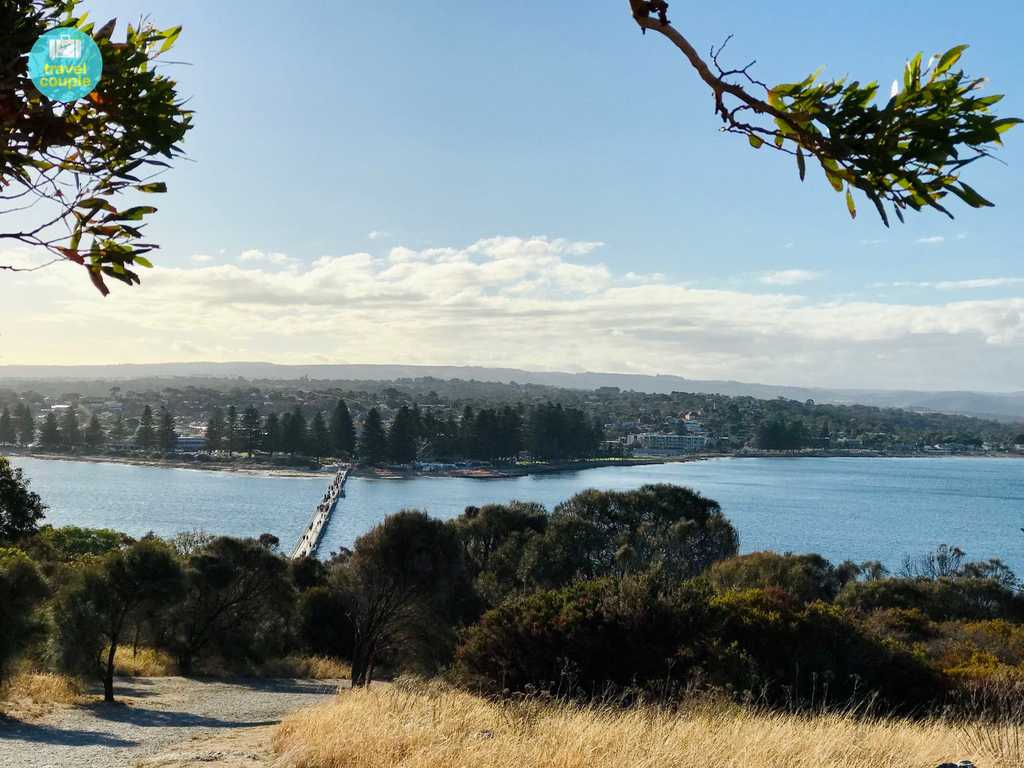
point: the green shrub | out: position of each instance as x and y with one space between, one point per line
107 600
588 635
324 626
901 625
819 653
664 529
22 589
237 604
805 578
943 599
70 543
630 631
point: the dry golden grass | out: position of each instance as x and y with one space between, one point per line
429 727
150 662
308 667
143 662
34 693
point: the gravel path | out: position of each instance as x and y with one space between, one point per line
155 713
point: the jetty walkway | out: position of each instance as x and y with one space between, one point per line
309 542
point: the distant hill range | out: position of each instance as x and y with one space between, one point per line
1003 406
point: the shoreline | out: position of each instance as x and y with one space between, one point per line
524 470
264 469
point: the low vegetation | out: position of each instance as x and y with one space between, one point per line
34 693
430 726
143 662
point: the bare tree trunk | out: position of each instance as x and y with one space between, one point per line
362 653
108 675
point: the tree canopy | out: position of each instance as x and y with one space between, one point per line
20 508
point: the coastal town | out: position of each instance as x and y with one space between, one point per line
460 427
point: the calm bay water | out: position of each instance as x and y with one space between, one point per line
842 508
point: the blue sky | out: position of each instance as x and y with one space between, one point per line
443 125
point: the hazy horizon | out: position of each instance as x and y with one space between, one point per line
391 371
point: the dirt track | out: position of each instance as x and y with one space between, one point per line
162 721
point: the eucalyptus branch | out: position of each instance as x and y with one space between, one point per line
908 152
79 157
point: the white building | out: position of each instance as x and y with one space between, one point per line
649 442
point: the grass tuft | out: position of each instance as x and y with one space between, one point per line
427 726
308 667
35 693
143 662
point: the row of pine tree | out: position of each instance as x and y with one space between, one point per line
491 434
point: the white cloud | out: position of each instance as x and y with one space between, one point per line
377 234
933 240
788 277
958 285
201 258
508 302
274 257
980 282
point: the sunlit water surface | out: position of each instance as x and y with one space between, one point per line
842 508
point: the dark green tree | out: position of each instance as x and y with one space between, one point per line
145 435
343 431
467 433
319 436
324 626
373 442
286 419
70 544
510 434
119 430
94 435
295 437
232 433
557 433
237 602
252 435
50 438
167 438
22 590
406 579
20 508
667 529
806 578
494 538
402 437
25 424
272 433
106 600
215 430
8 433
70 431
81 157
779 435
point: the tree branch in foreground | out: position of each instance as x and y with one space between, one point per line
908 153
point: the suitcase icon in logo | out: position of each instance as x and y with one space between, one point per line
65 48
